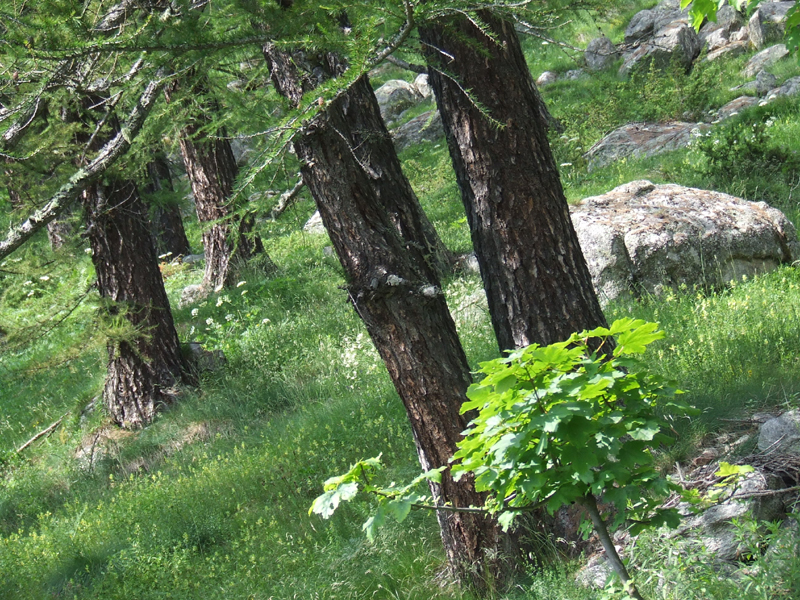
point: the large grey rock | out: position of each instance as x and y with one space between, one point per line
764 59
426 127
639 140
734 49
314 224
728 24
647 23
763 83
395 96
192 294
205 360
600 53
790 87
734 107
781 435
423 87
643 238
715 527
547 78
676 42
768 23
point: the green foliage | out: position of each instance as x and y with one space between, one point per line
559 422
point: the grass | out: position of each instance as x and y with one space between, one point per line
211 501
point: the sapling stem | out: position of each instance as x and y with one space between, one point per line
590 504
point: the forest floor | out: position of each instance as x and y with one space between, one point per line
212 500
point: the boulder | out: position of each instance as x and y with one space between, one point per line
640 140
423 87
600 53
790 87
205 360
395 96
768 23
781 435
574 74
734 107
426 127
641 26
314 224
763 83
192 294
678 41
729 24
734 49
547 78
764 59
715 528
641 238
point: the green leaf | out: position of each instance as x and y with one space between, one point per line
645 433
326 504
375 522
635 340
399 509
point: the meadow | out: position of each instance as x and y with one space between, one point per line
211 501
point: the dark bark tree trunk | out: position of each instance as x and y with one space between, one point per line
373 140
536 279
395 289
166 218
211 167
144 369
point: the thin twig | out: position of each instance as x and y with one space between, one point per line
41 434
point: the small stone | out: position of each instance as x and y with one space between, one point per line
546 78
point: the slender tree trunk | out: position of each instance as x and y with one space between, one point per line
145 367
395 289
536 279
212 170
371 139
166 218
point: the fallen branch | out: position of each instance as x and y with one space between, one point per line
286 200
41 434
399 62
70 191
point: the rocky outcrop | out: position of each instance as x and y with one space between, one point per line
600 53
639 140
426 127
642 238
395 96
660 35
781 435
765 58
768 23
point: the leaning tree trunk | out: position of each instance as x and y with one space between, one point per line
536 279
166 218
212 170
407 216
145 364
395 289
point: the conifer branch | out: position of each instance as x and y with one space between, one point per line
81 179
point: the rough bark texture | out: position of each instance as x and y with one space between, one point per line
166 219
395 289
538 286
372 147
143 371
212 170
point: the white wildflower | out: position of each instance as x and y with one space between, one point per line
195 312
44 278
240 284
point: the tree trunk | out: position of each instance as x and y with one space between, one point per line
212 170
395 289
166 218
371 139
536 279
145 367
